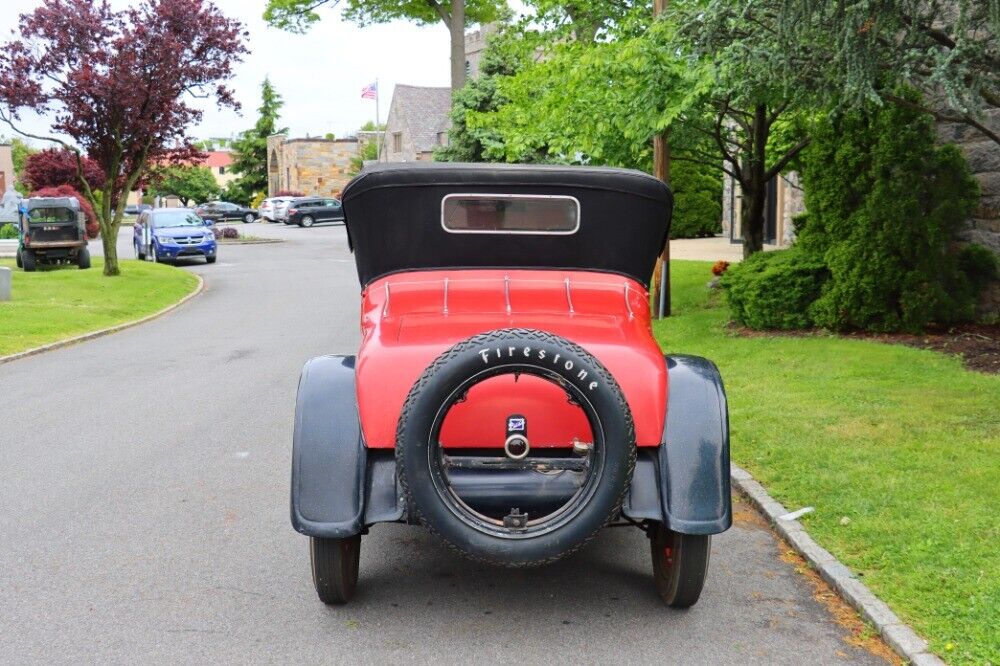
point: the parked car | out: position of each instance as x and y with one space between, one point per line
135 209
508 393
307 212
168 234
223 211
51 230
269 207
281 210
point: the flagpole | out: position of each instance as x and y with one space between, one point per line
381 141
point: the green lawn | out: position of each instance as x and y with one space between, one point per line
904 443
57 303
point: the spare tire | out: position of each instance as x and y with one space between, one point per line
422 465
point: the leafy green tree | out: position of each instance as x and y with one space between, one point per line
860 52
187 183
250 149
368 152
298 15
20 150
507 54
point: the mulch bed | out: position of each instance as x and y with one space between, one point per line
977 344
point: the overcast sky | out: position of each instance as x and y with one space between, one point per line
320 74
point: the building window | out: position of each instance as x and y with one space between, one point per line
468 68
397 142
222 171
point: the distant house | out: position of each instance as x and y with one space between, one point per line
6 168
418 123
220 163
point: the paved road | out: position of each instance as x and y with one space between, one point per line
144 515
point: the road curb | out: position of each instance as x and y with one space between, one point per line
104 331
897 634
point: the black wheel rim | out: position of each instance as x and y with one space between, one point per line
594 470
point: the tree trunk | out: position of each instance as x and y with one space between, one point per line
109 240
661 169
755 189
456 26
661 275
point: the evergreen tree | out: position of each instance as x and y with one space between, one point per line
250 149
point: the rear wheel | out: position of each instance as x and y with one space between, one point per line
28 262
514 528
17 259
680 564
335 568
307 221
248 218
83 259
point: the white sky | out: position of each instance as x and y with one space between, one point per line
320 74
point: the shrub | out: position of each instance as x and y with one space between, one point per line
8 231
228 233
885 205
67 191
774 289
257 200
697 200
978 264
720 267
288 193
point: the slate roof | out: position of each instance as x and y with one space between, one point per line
424 112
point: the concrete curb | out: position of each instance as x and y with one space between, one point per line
104 331
898 635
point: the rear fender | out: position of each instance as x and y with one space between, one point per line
329 460
685 482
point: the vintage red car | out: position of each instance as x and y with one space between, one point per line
508 394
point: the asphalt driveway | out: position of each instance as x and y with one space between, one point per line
144 495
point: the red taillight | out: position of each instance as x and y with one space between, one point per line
293 211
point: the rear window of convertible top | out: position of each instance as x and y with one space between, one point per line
510 214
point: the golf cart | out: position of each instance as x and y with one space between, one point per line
52 230
508 394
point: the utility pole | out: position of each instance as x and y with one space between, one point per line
661 169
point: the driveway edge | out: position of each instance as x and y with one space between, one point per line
104 331
897 634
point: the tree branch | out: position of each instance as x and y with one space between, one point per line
964 119
788 157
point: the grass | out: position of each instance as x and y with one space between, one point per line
898 449
58 303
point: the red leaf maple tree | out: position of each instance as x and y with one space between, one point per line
119 87
55 167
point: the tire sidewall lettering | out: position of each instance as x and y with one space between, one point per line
565 365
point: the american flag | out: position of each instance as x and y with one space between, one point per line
370 91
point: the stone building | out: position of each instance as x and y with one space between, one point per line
983 156
315 167
475 43
418 123
784 202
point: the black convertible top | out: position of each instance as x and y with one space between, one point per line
394 219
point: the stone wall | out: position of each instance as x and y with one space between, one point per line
983 156
315 167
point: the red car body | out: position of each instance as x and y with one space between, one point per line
409 319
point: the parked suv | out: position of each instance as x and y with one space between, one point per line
167 234
508 393
52 230
307 212
269 207
222 211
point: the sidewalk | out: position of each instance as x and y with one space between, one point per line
709 249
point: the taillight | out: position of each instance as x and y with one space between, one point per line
293 211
